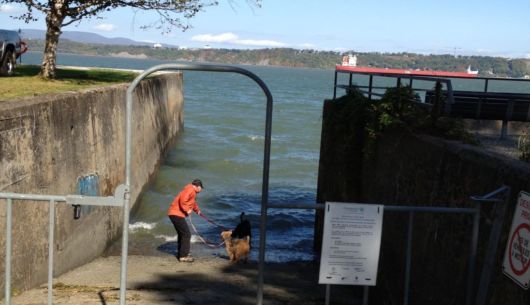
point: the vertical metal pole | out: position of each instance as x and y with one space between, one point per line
408 259
350 80
265 195
9 225
328 293
486 85
51 229
126 201
366 294
398 83
493 244
472 256
504 129
370 87
335 86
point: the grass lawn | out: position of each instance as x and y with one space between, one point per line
26 81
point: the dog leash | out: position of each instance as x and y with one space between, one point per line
207 243
210 221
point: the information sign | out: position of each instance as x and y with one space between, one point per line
351 243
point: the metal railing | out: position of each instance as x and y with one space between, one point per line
369 90
499 197
122 194
117 201
506 100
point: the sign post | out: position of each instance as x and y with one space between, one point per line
517 255
351 244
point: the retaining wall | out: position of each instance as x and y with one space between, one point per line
408 169
48 142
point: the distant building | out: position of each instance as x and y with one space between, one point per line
157 46
349 60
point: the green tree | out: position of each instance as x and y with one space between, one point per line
60 13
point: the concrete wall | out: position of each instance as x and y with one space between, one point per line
406 169
46 143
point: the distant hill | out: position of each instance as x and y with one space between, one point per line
94 44
85 37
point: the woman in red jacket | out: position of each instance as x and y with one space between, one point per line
183 204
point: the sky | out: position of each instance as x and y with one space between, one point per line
456 27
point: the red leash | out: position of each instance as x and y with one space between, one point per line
207 243
208 220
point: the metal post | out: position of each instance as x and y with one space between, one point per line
335 86
493 243
328 293
408 259
51 229
486 85
504 129
472 256
9 227
366 294
370 87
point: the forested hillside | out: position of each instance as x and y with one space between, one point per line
487 66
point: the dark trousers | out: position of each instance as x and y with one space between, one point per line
184 235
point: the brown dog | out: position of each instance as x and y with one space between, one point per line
236 248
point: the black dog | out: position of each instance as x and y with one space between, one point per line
243 229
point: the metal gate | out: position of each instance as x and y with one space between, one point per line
121 196
474 294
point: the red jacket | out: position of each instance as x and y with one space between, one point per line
184 203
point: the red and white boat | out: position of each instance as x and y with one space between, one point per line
349 64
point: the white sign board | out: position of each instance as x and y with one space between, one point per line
351 243
517 255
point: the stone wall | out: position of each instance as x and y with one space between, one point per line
407 169
48 142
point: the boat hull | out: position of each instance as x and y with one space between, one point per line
398 72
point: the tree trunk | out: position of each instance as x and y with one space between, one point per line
54 20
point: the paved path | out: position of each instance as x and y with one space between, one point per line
209 280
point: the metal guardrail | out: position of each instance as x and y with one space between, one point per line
116 200
457 99
370 88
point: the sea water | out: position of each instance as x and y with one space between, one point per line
222 143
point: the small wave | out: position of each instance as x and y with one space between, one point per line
168 238
254 138
141 225
194 238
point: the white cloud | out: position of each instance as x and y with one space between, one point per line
260 43
9 9
231 38
106 27
307 46
224 37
